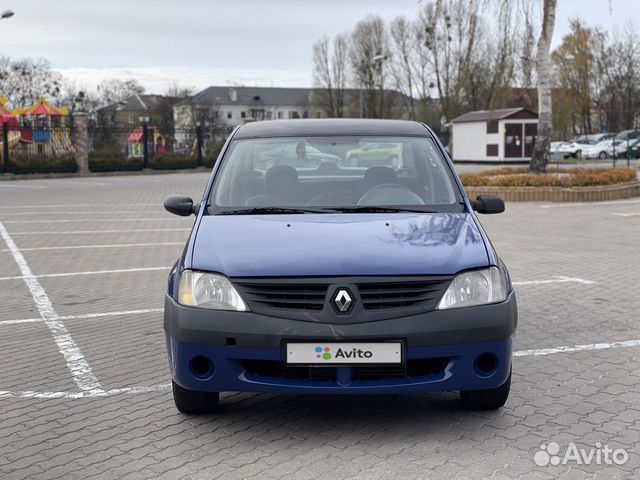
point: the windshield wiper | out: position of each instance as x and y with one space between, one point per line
271 211
380 209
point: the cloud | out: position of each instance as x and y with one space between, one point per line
157 79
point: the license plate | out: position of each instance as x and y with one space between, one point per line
336 353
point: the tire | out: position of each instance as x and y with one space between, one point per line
490 399
602 155
192 402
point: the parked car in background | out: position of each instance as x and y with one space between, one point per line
375 154
554 148
634 150
625 135
600 137
574 149
621 148
600 150
296 155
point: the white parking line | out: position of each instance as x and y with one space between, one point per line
145 219
76 205
115 245
557 279
78 365
86 315
94 272
634 214
75 212
577 348
590 204
78 232
74 395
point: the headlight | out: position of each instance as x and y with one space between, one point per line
477 287
209 290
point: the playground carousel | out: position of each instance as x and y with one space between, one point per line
46 127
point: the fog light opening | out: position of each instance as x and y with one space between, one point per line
486 364
201 367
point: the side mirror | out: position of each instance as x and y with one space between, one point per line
179 205
488 204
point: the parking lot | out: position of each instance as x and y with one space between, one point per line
85 392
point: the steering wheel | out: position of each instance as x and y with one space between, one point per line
390 194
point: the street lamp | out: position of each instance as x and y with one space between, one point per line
6 14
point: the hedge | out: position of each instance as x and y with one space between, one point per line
575 177
38 164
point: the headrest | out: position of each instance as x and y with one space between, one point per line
280 179
375 176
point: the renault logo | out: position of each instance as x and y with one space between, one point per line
343 300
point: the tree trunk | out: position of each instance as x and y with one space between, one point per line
540 156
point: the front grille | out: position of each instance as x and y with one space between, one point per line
377 295
284 294
413 368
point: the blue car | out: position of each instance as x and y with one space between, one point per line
338 279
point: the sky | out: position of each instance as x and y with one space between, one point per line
205 42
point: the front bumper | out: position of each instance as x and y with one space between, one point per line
441 351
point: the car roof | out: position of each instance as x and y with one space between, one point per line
337 126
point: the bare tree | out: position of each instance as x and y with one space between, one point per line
369 44
177 91
330 74
25 80
115 90
540 156
404 61
618 73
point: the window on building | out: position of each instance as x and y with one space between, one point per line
492 150
280 115
130 119
294 114
269 115
243 114
229 115
492 126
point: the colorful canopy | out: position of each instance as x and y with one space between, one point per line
135 136
42 107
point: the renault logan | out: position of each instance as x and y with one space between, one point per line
335 278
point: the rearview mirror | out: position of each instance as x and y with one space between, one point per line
488 204
179 205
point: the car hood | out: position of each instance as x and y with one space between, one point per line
338 244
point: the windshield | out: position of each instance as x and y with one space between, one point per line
340 173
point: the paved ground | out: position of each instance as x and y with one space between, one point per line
84 393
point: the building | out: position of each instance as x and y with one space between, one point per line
219 109
233 106
504 135
136 110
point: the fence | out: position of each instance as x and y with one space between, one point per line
27 149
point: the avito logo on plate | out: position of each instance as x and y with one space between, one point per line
325 353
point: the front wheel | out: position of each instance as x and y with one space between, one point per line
602 155
192 402
489 399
